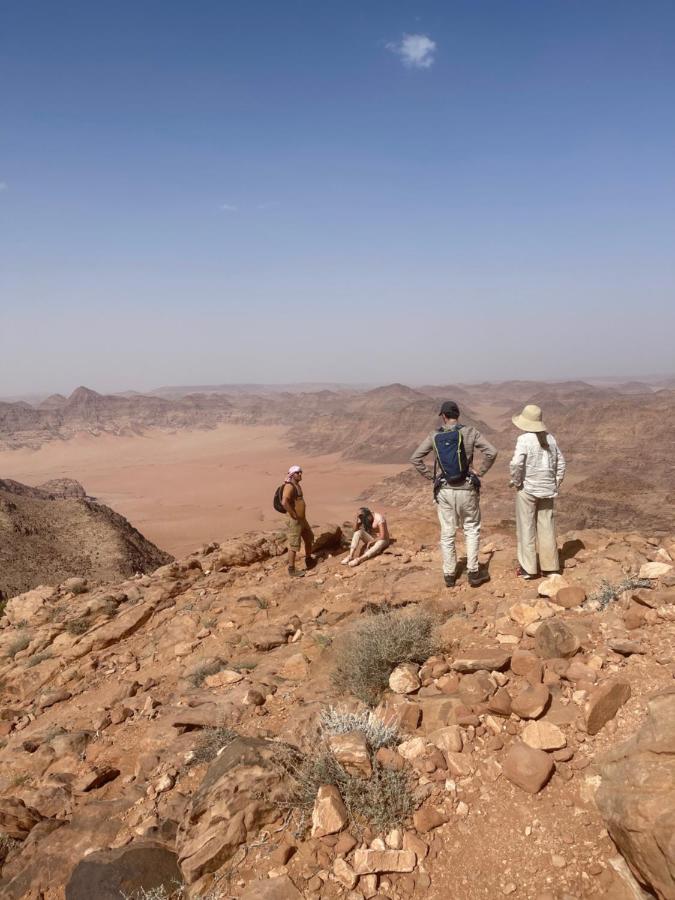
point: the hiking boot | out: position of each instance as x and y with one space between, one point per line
521 573
293 573
450 580
478 577
310 562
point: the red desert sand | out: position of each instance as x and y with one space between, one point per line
185 489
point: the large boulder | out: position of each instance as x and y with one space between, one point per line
240 792
143 866
637 798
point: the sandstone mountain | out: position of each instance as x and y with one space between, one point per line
55 531
202 725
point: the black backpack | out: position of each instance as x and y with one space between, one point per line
278 499
451 455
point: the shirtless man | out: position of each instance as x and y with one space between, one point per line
293 502
371 535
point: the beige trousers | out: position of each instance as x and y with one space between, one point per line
459 509
374 546
535 524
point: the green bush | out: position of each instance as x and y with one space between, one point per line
368 652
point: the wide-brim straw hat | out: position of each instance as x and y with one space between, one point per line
529 419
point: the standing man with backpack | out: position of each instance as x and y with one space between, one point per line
291 500
456 488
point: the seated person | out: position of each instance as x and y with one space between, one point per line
370 535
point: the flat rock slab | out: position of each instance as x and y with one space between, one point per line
487 660
375 861
111 874
281 888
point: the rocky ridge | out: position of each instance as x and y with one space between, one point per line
55 530
157 726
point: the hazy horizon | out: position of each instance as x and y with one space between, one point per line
425 193
608 380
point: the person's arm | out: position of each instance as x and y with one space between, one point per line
288 500
560 468
517 464
488 452
417 459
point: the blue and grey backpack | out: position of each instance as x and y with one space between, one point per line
451 455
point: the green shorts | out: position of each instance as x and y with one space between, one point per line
297 530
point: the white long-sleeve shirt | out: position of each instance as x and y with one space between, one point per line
537 471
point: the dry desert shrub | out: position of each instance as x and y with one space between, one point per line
383 801
77 627
368 652
198 675
212 741
376 732
608 592
37 658
20 642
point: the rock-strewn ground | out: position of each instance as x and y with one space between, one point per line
116 701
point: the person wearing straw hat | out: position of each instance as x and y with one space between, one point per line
537 471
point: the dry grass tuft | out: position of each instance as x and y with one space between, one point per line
212 741
376 732
368 653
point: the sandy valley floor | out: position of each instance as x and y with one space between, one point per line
187 488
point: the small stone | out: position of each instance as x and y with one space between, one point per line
351 751
655 570
543 736
558 861
413 749
394 840
531 702
329 815
296 668
509 888
554 638
527 768
570 597
603 704
404 679
449 738
550 586
224 678
625 648
428 818
344 873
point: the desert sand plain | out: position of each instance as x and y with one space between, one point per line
191 487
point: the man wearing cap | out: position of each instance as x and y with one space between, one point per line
293 502
458 503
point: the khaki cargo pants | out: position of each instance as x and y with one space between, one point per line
535 524
297 530
459 509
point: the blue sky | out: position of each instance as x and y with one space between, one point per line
351 191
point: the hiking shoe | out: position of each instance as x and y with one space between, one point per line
310 562
450 580
293 573
478 577
521 573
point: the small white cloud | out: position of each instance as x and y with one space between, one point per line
417 51
229 207
3 185
269 204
